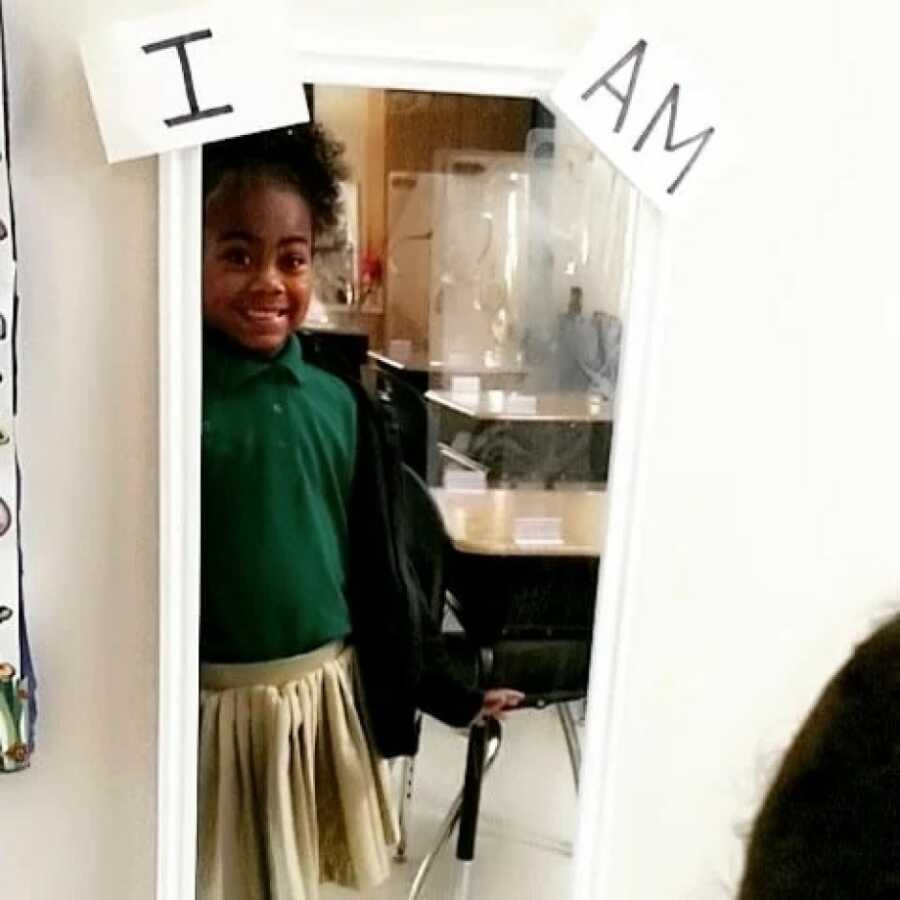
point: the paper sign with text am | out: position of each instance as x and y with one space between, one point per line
191 77
645 110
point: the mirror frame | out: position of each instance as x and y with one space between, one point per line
180 374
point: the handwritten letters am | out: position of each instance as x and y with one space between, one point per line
626 94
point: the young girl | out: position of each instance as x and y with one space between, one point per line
311 639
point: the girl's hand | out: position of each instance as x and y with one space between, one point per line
496 702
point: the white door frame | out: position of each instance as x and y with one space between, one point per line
180 189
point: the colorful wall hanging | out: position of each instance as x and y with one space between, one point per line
17 684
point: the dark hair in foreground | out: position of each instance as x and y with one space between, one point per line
304 157
829 828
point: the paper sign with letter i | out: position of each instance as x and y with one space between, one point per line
193 76
645 109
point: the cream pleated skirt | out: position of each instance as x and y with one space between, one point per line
292 794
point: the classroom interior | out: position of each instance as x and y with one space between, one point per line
477 283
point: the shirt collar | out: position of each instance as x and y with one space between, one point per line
228 365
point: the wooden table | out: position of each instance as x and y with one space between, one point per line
508 588
483 522
421 370
547 438
548 407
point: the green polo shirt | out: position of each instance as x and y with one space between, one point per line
279 443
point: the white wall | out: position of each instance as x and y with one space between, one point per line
772 492
773 488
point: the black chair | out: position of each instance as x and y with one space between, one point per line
527 646
426 547
410 412
340 352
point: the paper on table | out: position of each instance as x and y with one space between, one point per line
465 386
494 400
525 404
537 530
465 480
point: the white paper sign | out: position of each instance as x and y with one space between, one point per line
537 530
521 404
644 109
465 480
495 400
191 77
465 386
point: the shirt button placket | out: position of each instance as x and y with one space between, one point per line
278 410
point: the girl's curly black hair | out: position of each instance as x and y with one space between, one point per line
305 157
829 828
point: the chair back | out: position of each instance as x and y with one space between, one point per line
344 354
527 624
410 412
426 540
532 618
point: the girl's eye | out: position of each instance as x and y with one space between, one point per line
236 257
294 263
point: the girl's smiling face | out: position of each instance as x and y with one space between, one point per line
257 261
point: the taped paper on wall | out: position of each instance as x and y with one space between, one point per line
645 109
191 77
